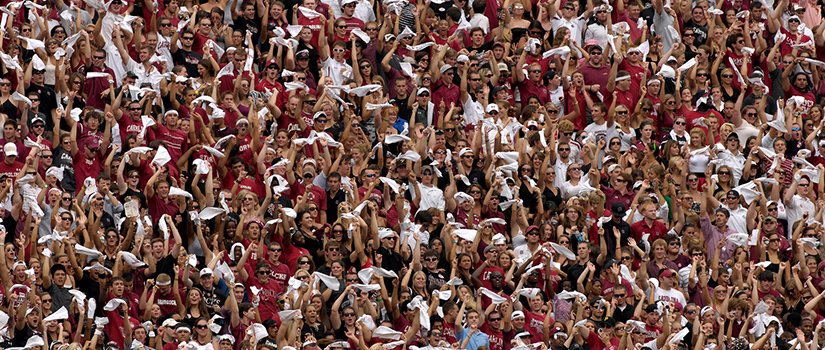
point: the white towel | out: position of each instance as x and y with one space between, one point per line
495 298
329 281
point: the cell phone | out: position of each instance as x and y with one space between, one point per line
695 207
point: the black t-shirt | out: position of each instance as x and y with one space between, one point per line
21 336
214 297
89 287
188 59
166 265
48 98
392 261
700 30
332 204
242 24
404 110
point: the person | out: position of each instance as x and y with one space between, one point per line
572 177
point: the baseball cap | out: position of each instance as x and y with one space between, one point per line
421 91
617 209
445 68
492 107
10 149
206 272
92 142
666 273
302 54
389 37
503 67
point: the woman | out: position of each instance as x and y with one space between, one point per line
770 251
678 133
202 335
699 83
698 154
364 74
312 323
729 88
573 224
206 76
77 86
241 95
575 181
515 20
624 131
451 135
8 106
725 180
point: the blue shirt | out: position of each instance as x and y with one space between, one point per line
477 339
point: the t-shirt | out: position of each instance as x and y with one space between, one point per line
85 167
268 295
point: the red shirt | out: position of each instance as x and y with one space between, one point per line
176 142
158 207
290 254
485 276
636 73
528 88
496 336
443 92
534 323
314 25
656 230
85 167
268 295
12 170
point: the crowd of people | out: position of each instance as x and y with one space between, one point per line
412 175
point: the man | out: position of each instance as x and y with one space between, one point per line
582 261
567 19
602 122
185 55
613 280
488 270
716 231
90 163
334 66
335 196
526 251
306 187
738 213
268 288
368 178
165 297
668 289
674 247
444 93
427 194
595 73
700 25
532 84
423 108
175 139
10 167
348 15
384 240
212 296
402 98
616 224
247 20
797 203
649 225
332 252
436 278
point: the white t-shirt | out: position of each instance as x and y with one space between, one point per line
431 197
335 70
738 220
671 296
796 208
